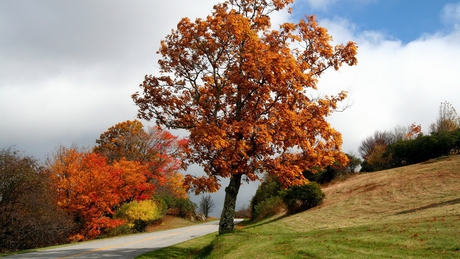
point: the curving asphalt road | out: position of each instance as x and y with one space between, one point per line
125 247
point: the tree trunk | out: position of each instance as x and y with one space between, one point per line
226 223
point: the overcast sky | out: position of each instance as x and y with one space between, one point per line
68 68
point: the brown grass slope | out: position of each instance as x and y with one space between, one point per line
427 189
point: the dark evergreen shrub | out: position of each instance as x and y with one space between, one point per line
303 197
264 202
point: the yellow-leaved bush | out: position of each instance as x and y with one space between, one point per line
139 214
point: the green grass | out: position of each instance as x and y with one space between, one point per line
407 212
195 248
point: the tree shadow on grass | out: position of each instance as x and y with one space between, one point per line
263 222
433 205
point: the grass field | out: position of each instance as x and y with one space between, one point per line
407 212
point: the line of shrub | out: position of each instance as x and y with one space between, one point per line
423 148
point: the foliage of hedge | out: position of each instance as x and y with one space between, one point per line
268 208
303 197
270 199
424 148
186 208
175 206
332 172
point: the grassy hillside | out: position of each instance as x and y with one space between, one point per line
407 212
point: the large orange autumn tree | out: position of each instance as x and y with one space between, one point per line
242 91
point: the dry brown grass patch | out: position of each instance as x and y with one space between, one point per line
393 194
169 222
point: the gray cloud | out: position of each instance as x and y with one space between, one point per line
69 67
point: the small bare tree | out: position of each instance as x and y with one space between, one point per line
206 205
447 120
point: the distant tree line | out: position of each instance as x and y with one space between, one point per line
408 145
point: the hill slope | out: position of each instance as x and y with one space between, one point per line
407 212
428 189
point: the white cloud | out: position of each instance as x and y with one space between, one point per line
393 84
451 14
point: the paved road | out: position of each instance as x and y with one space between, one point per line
125 247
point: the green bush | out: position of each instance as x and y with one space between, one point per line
175 206
186 208
162 204
334 171
423 148
267 200
167 199
268 208
303 197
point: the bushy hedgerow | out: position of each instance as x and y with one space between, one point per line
271 199
176 206
332 172
162 204
423 148
302 197
166 199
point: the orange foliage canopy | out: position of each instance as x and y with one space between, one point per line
155 148
242 90
90 189
174 186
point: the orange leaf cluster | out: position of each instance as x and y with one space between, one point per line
91 190
157 149
243 92
414 131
